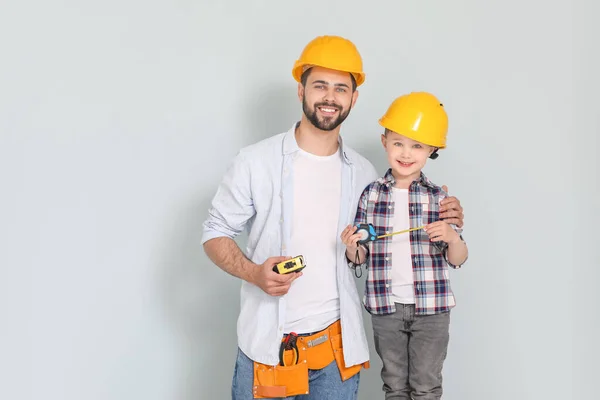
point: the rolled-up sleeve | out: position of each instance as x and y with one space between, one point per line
232 205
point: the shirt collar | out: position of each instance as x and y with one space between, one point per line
422 180
291 146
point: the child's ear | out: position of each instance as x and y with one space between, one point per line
383 139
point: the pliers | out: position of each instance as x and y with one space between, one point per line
289 343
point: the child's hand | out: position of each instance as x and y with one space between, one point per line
442 231
349 238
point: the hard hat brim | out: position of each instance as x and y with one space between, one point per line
387 124
298 70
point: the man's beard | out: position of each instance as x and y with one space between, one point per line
328 123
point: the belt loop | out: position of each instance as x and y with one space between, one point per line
411 311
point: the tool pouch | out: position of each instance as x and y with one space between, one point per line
338 351
314 352
278 381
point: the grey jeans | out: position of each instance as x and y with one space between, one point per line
412 349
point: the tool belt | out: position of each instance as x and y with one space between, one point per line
290 376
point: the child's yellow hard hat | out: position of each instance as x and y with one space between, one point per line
419 116
333 52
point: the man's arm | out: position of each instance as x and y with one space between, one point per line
232 207
228 256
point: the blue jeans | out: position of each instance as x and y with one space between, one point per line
324 384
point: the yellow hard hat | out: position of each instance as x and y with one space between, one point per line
419 116
333 52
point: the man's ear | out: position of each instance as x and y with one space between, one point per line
354 98
300 92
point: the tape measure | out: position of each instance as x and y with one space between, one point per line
295 264
368 233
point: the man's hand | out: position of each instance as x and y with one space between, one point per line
271 282
451 211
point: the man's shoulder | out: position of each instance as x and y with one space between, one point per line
264 147
362 163
356 157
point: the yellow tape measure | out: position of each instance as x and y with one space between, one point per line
399 232
369 234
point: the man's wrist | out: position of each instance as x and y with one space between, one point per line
250 270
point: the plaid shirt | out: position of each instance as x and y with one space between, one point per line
430 265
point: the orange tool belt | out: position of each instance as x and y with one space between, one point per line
314 352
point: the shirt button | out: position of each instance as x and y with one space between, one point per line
281 221
390 207
387 259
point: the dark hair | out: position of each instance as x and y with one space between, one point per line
306 73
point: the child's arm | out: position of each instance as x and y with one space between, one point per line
350 238
354 252
441 231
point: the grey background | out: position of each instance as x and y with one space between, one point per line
118 119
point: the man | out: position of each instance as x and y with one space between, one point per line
296 192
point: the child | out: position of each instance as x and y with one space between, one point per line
407 289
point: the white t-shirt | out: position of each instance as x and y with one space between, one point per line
313 299
402 272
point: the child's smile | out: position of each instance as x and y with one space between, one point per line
406 164
406 157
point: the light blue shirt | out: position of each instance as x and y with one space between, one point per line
256 194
